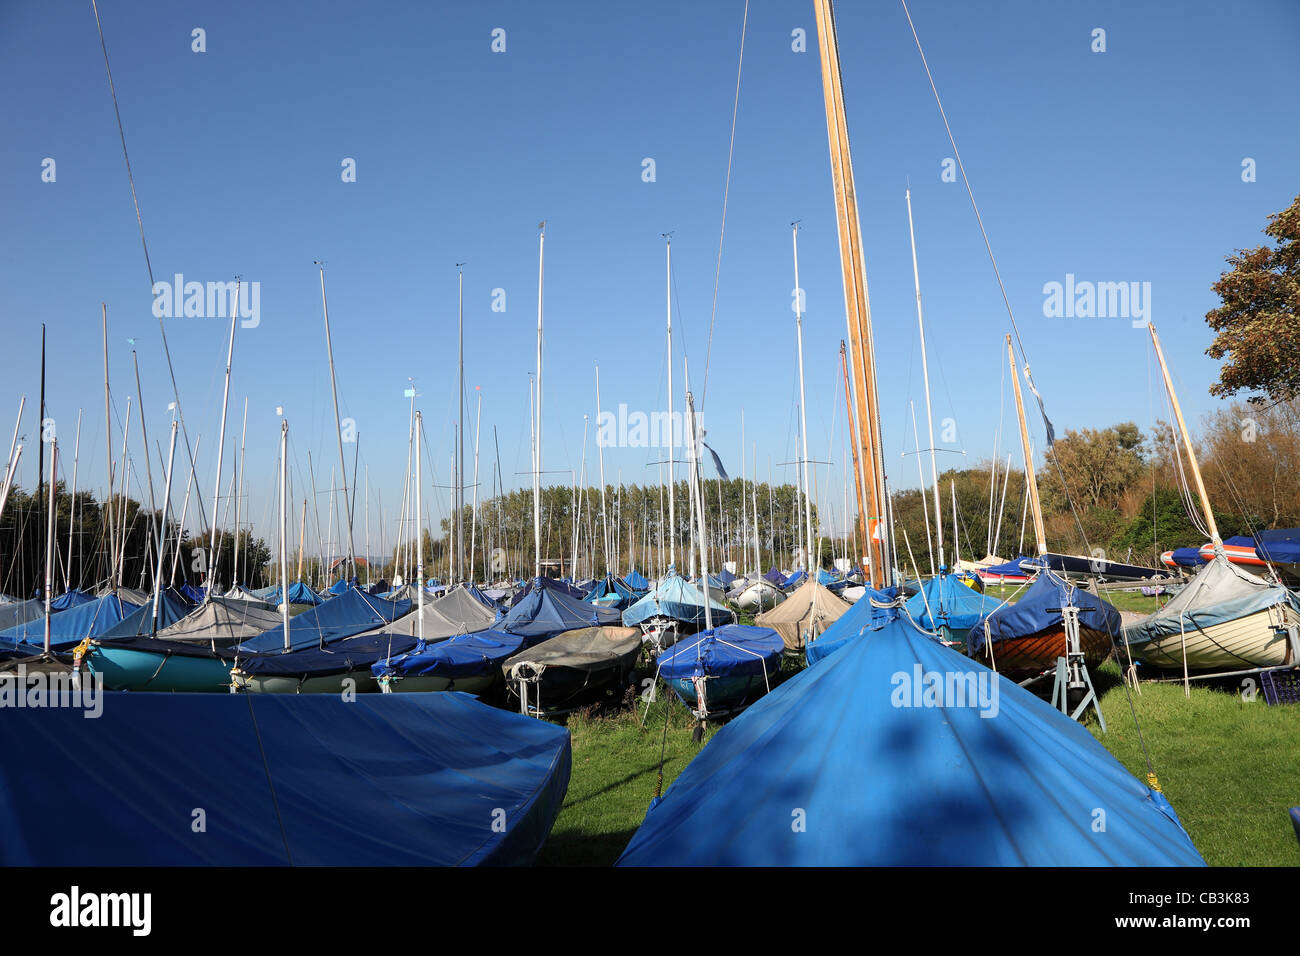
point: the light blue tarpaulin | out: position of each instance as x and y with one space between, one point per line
347 615
310 780
677 598
946 601
299 593
71 627
876 776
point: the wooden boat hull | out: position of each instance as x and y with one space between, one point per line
124 668
1256 640
1023 657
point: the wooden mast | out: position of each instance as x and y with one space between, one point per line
1031 481
871 484
853 448
1187 444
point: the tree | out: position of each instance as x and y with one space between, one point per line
1258 324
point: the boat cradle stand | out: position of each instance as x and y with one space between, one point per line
1072 673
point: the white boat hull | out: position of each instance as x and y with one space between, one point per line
1256 640
759 597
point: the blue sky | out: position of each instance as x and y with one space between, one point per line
1122 166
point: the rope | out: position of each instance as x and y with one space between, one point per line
198 495
717 271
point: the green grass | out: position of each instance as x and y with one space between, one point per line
1231 768
614 778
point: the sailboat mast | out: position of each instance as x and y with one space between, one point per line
857 469
49 540
672 437
162 536
600 448
108 450
148 467
537 443
460 433
473 514
419 531
857 303
185 508
302 536
920 471
803 400
1187 444
284 522
697 500
351 567
239 485
221 440
1030 479
925 373
72 502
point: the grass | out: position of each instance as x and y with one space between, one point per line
1230 767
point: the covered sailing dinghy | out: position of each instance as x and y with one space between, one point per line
674 607
573 668
949 608
805 614
305 781
720 670
1224 619
886 775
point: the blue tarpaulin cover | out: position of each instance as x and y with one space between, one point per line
1187 557
798 578
945 600
774 576
311 780
465 655
195 595
611 587
636 581
70 599
1281 545
171 608
351 654
726 577
548 609
677 598
1011 569
299 593
881 779
733 650
344 616
1034 613
71 627
859 619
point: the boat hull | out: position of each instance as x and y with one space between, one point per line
421 683
1020 658
759 597
1255 640
124 668
362 683
722 695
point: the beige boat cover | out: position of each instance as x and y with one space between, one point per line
809 610
586 649
457 612
223 620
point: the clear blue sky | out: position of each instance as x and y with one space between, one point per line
1115 166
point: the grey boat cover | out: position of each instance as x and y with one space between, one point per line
239 593
586 649
808 611
130 595
13 613
1219 592
223 620
461 607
